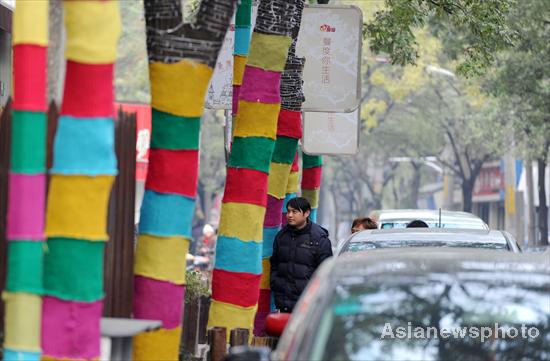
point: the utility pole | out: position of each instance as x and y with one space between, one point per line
530 204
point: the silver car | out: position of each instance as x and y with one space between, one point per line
420 304
428 237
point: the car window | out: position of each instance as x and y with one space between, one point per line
407 319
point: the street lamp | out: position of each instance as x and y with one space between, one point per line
430 161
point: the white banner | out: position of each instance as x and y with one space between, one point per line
330 40
331 133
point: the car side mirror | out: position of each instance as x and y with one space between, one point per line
248 353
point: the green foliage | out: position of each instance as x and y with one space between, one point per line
196 286
481 25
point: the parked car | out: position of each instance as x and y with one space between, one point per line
429 304
428 237
399 218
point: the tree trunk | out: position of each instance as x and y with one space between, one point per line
543 206
415 186
467 193
530 203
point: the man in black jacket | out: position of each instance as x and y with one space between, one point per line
298 249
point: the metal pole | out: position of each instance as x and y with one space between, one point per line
530 203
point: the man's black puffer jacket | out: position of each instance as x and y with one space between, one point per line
296 255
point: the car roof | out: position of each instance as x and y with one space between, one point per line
428 234
407 261
427 215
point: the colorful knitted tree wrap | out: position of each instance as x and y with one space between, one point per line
82 174
27 184
289 131
180 67
243 29
311 181
238 269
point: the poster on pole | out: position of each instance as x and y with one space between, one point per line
331 40
331 133
220 90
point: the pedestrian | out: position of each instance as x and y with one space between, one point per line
298 249
362 223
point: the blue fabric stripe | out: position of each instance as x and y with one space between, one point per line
84 146
242 40
272 302
166 214
288 197
235 255
269 238
313 215
11 355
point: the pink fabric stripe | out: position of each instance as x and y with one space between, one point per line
70 329
236 91
260 85
273 211
283 220
158 300
26 207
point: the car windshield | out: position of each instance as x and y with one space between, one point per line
436 318
365 245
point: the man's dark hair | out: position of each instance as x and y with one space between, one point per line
299 203
417 223
367 223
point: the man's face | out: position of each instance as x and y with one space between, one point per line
296 217
358 228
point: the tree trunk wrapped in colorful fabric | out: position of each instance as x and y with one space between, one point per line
289 131
292 186
83 171
27 184
243 28
238 268
181 61
311 181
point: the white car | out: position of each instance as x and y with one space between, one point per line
399 218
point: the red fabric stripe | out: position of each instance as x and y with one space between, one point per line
254 191
295 164
273 211
264 302
290 124
311 178
236 288
29 77
173 171
88 90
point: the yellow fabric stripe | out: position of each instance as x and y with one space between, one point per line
231 316
312 195
179 88
257 120
292 184
77 207
93 29
239 63
268 51
23 314
277 181
242 221
266 270
30 23
161 258
157 345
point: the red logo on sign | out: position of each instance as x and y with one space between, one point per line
327 28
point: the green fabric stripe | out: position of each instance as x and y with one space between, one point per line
73 269
251 153
175 132
311 161
25 262
285 149
28 147
244 11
